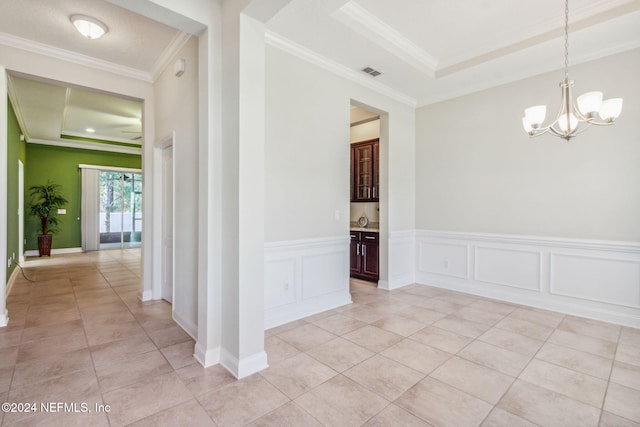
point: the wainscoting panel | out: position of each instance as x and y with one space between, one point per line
402 260
508 267
445 259
280 276
589 278
616 281
323 273
305 277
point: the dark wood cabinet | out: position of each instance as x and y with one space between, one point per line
364 171
364 255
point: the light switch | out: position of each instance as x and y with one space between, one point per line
62 211
336 215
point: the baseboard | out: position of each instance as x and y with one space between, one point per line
188 326
12 280
146 296
4 318
206 357
588 278
244 367
61 251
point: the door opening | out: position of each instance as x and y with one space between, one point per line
167 224
365 195
120 209
20 211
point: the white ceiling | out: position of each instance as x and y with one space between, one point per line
426 50
132 40
431 50
48 111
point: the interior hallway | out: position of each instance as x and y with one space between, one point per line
416 356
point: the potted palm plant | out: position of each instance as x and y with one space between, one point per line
45 202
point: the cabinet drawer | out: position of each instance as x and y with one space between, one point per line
370 236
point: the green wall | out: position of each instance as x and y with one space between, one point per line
16 150
60 165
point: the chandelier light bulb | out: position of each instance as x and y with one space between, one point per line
589 103
611 109
535 115
527 126
562 122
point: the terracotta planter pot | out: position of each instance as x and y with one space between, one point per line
44 244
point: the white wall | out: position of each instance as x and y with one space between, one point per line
542 222
478 171
176 109
307 180
307 153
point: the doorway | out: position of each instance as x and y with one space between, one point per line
20 212
120 210
167 224
365 195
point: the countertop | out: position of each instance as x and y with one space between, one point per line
372 227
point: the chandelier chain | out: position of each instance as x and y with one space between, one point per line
566 39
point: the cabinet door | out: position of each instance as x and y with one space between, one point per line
369 249
363 169
375 191
356 256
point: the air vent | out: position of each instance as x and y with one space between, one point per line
371 71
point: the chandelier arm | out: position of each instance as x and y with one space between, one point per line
595 123
555 132
581 117
538 132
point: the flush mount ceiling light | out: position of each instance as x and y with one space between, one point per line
89 27
572 119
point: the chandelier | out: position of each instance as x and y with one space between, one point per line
572 119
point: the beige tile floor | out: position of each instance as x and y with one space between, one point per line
416 356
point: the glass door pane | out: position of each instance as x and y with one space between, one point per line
120 209
136 210
110 209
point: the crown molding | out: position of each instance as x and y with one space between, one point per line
506 44
69 56
178 42
11 90
379 32
525 74
361 21
105 138
85 145
334 67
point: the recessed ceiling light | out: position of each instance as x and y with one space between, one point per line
89 27
90 130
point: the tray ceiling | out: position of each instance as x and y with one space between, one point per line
425 50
